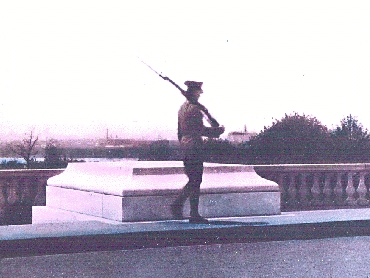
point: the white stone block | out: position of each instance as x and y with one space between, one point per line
90 203
144 190
112 207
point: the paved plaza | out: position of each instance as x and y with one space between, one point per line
332 243
331 257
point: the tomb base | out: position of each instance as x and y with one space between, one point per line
129 191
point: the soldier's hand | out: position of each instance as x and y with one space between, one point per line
215 132
222 129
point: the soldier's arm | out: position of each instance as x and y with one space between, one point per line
200 129
213 132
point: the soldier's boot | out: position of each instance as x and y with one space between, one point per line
176 210
195 217
178 204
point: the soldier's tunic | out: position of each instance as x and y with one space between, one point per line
190 131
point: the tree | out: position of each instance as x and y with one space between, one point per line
351 141
293 139
160 150
222 151
53 155
25 148
351 130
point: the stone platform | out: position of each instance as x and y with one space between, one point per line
143 190
330 243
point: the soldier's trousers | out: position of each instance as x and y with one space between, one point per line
194 171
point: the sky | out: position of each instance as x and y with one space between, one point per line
72 69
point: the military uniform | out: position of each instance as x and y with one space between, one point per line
190 132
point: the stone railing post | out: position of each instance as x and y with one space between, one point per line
2 205
338 190
292 190
303 190
362 191
12 191
350 190
328 189
316 191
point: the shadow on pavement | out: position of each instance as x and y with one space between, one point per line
229 223
238 223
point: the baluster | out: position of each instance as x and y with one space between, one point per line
2 202
350 190
292 191
316 191
12 191
327 189
281 182
338 190
303 190
362 191
26 190
282 189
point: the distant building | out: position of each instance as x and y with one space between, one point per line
119 143
238 137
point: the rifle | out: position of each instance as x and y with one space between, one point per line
212 121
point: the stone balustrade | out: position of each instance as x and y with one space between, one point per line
302 186
320 186
20 190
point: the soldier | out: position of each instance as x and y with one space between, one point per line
190 132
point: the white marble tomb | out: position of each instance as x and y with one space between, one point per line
143 190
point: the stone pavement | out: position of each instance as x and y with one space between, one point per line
331 243
331 257
81 236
